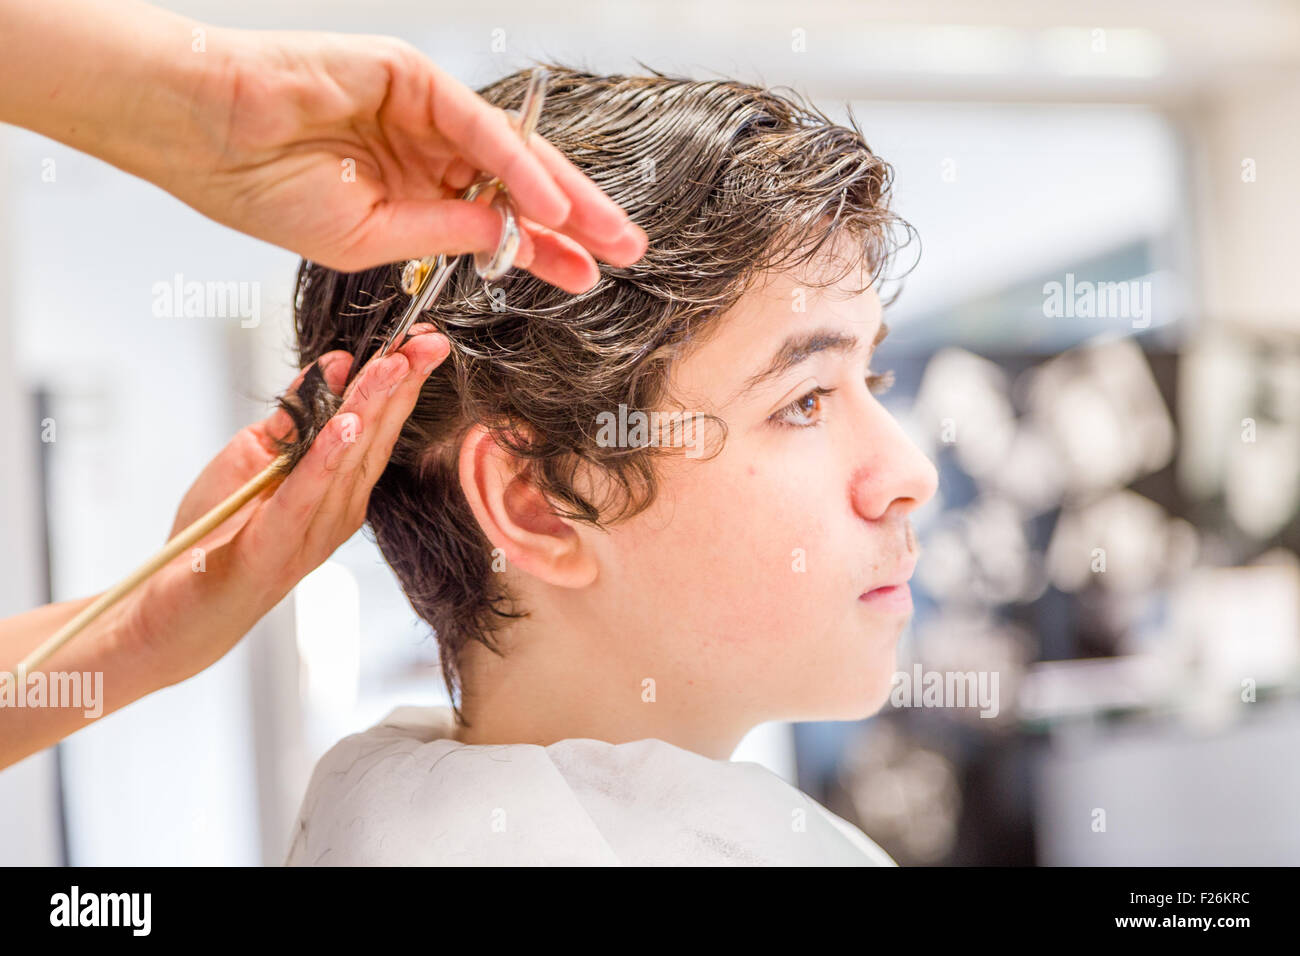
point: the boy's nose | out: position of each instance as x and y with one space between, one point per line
893 473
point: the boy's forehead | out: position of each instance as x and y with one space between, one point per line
746 337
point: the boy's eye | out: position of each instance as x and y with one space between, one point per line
805 411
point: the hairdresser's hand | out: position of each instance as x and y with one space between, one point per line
350 150
194 610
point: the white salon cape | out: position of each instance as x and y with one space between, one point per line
405 793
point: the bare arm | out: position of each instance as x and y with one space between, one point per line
101 649
117 80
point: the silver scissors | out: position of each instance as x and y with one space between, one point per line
423 279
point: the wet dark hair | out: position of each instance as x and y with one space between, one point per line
729 180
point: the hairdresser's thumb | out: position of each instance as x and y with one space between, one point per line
412 229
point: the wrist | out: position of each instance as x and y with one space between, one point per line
123 645
181 126
183 619
125 81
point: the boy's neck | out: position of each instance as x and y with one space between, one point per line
542 699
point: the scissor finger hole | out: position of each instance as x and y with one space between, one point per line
490 266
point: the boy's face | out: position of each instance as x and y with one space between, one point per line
754 583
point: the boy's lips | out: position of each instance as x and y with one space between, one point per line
893 592
895 598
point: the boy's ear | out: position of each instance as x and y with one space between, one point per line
517 518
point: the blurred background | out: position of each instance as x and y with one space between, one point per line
1099 344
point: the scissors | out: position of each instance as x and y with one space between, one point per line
423 279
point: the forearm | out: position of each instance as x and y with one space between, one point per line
119 80
109 671
23 633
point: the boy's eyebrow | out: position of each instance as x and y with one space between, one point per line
802 346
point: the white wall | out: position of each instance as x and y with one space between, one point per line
1249 228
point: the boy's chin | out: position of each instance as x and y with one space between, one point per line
858 702
868 706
